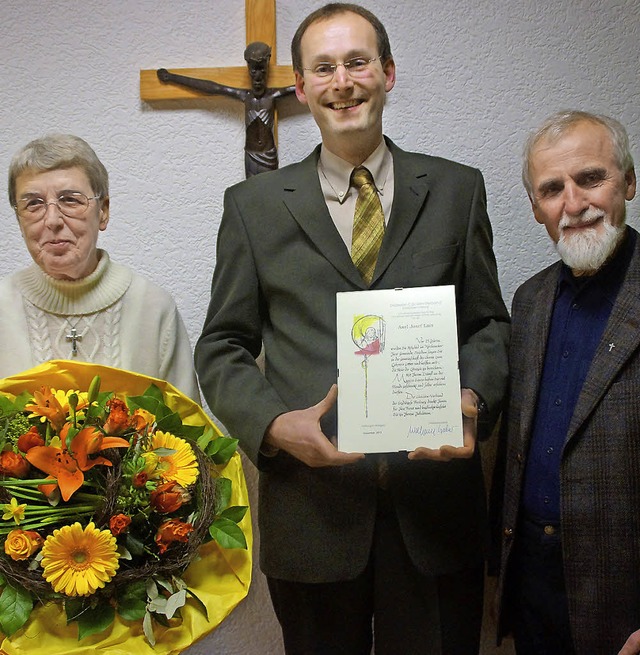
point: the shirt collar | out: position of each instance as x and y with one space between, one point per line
337 171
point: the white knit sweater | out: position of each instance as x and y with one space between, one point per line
120 319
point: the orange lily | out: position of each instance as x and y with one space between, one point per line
53 405
46 405
67 465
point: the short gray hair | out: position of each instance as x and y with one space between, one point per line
555 126
57 151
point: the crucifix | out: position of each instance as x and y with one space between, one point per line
243 83
74 337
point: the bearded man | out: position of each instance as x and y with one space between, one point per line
570 475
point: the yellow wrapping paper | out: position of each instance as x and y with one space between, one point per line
220 578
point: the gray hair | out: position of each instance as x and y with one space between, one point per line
57 151
557 125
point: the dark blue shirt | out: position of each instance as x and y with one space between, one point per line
580 314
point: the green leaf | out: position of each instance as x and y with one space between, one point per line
23 399
235 513
227 533
15 607
72 432
123 553
221 450
154 392
132 609
163 452
152 589
223 494
134 546
73 608
148 403
132 601
191 432
99 408
205 438
95 619
165 584
136 589
178 583
175 602
169 423
157 605
6 405
147 626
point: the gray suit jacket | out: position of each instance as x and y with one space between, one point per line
600 468
280 262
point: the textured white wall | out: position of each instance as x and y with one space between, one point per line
474 77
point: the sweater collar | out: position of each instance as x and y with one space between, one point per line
91 294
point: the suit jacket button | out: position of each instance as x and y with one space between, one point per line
508 533
519 458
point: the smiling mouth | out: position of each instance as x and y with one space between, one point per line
587 221
345 104
579 226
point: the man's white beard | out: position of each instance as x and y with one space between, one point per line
588 249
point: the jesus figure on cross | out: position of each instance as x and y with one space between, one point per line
260 151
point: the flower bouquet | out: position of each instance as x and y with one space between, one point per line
123 514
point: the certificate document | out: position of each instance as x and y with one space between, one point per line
398 379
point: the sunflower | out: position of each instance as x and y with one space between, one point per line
180 466
78 561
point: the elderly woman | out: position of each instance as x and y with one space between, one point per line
74 302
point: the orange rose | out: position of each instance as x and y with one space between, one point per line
30 439
21 544
169 497
140 479
119 419
119 524
13 464
170 531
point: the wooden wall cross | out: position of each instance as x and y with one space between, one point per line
260 18
236 81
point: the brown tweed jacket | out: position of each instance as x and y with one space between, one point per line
600 468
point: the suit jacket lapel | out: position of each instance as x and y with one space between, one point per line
537 332
620 340
304 200
410 192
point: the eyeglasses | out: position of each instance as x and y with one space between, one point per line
356 67
70 203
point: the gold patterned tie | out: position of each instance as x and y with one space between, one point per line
368 224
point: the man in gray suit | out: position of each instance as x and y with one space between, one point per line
347 539
570 566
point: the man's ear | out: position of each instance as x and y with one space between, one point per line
389 69
300 94
630 179
535 209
